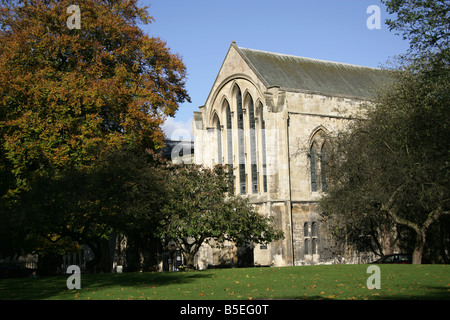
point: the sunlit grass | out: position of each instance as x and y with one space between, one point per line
338 282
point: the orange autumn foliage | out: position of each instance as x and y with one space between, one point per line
69 95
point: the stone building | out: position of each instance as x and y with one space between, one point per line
268 116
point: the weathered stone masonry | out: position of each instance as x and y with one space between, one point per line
268 116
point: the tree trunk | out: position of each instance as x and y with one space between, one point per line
189 259
190 249
421 231
418 248
189 252
100 262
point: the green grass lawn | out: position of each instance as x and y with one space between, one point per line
339 282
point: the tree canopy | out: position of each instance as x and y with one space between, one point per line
425 24
200 210
68 95
392 168
122 193
389 173
71 100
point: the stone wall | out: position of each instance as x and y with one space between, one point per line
293 121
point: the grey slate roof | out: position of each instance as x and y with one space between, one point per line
316 76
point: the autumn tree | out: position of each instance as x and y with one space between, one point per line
68 95
200 210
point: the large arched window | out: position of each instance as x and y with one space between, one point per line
241 150
318 161
323 167
230 160
219 141
229 137
263 147
254 170
313 167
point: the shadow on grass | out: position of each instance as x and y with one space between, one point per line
426 293
55 287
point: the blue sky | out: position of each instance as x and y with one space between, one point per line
201 32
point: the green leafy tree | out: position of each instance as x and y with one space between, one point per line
200 210
425 24
122 194
392 168
389 173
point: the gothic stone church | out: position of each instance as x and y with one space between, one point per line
268 116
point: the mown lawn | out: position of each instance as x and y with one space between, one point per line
338 282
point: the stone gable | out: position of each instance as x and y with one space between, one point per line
268 116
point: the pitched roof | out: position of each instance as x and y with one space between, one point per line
312 75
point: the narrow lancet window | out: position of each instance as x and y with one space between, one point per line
230 148
313 169
229 137
254 171
263 147
219 142
318 161
323 168
240 120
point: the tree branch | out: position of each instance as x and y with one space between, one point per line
394 216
